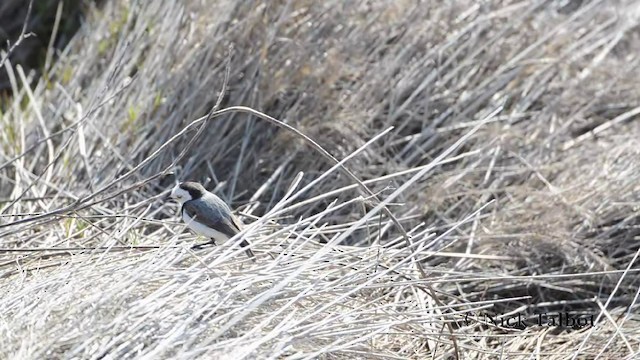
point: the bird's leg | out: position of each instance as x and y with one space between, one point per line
200 246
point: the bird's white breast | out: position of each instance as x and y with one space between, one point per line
203 230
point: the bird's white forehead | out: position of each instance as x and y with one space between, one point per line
180 194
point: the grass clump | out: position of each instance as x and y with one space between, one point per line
466 164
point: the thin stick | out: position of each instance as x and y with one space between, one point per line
23 35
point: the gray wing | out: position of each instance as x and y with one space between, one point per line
216 217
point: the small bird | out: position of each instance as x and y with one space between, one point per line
207 215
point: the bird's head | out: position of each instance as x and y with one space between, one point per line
186 191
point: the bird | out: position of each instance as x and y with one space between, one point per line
208 215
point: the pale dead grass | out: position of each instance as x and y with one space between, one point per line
502 137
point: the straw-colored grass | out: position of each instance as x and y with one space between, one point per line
407 173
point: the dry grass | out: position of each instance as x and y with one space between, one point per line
501 136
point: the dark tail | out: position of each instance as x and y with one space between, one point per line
245 244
